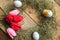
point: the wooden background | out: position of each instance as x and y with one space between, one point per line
56 35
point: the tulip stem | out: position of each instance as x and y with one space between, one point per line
4 23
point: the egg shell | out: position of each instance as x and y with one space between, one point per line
17 3
50 14
36 35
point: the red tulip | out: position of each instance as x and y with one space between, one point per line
9 18
15 26
17 18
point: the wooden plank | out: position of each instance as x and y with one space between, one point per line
4 36
31 18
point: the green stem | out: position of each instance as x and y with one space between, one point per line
5 23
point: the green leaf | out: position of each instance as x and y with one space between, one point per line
0 20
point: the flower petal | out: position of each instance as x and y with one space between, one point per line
14 12
15 26
18 18
11 32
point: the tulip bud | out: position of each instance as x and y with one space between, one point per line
15 26
14 12
8 18
17 18
11 32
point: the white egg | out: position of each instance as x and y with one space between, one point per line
17 3
36 35
50 14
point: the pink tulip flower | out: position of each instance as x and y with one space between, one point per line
11 32
14 12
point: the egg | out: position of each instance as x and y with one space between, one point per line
17 3
47 13
36 36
